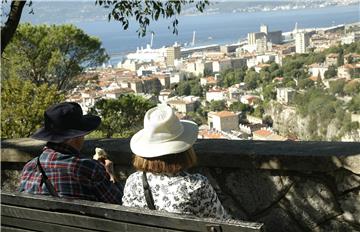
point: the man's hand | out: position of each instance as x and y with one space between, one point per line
109 167
102 156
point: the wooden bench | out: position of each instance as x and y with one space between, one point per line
25 212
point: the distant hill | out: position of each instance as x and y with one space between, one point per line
78 11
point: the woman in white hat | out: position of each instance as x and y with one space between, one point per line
162 152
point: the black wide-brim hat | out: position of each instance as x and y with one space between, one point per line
65 121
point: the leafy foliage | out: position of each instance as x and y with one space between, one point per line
197 118
322 109
190 87
331 72
252 79
230 77
269 92
337 87
239 107
305 83
354 104
352 88
121 116
183 88
145 11
258 111
23 106
217 105
54 55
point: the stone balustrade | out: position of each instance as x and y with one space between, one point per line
290 186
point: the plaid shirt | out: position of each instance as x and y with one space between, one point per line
72 176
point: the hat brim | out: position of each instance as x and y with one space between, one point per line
139 146
87 125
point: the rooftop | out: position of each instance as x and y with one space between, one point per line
262 133
223 114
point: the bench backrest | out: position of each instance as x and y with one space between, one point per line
25 212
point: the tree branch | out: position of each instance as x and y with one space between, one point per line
8 30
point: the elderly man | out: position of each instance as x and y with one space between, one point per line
61 170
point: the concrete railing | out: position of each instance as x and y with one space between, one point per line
290 186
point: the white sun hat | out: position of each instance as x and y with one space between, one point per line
163 134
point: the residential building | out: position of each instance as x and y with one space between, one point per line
86 99
251 62
238 62
264 28
164 80
172 53
234 93
266 134
285 95
210 81
164 95
274 37
221 65
252 37
351 58
350 38
318 70
209 134
228 48
268 57
180 105
151 85
176 78
249 99
197 66
184 104
261 66
261 134
332 59
261 45
136 85
116 93
223 121
131 65
349 71
301 42
216 94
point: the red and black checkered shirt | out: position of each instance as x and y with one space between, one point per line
72 176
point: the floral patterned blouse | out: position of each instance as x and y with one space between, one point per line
181 193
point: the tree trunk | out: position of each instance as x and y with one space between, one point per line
8 30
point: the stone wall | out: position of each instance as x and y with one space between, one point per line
290 186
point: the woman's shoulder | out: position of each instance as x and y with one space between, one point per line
196 179
135 175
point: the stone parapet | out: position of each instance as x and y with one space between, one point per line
290 186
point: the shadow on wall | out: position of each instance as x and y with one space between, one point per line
290 186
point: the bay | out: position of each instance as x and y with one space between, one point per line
223 28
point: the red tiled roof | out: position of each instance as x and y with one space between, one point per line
313 78
210 135
262 133
223 114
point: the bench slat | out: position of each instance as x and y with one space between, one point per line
74 220
121 214
12 229
38 225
